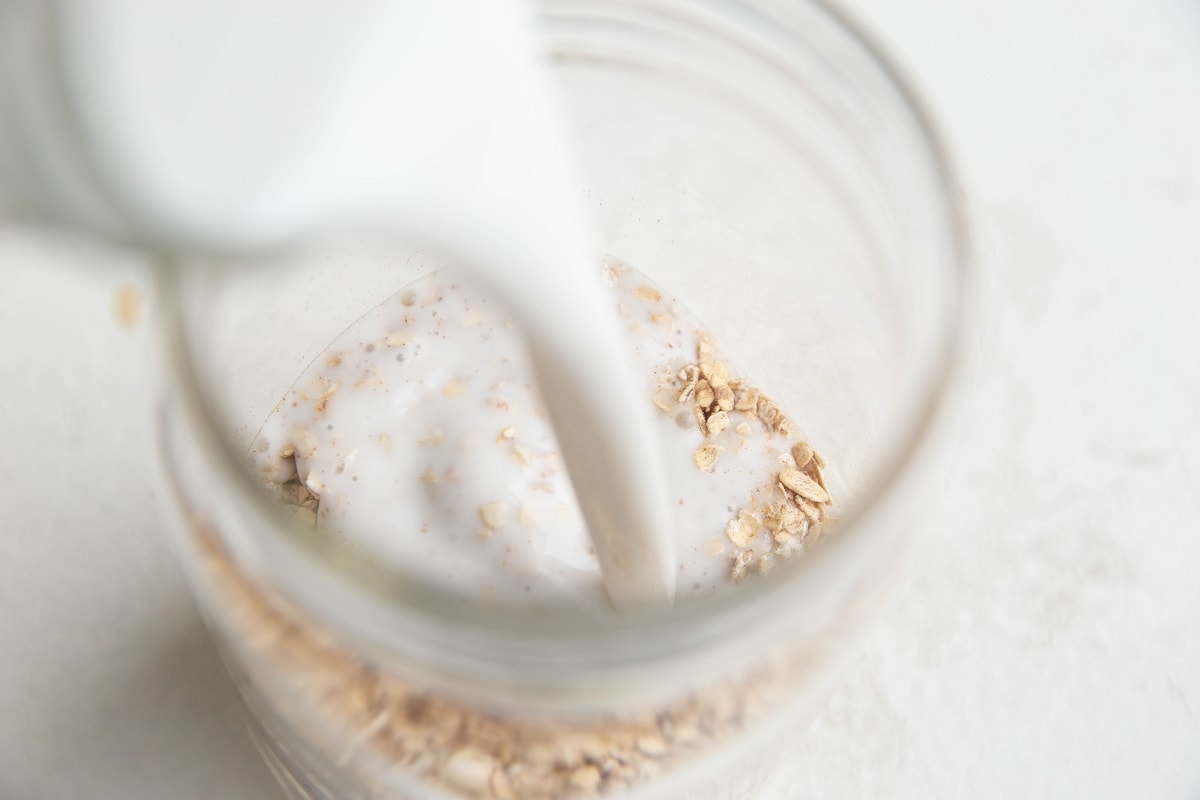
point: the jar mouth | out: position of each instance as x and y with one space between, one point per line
384 605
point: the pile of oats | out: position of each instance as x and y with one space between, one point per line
801 514
372 722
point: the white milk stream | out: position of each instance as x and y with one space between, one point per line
245 126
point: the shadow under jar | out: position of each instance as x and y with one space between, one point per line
761 162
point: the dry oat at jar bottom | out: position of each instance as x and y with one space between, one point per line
338 703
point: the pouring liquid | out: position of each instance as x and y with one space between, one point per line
499 192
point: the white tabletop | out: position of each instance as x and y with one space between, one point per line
1049 642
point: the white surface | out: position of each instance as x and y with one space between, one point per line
1048 644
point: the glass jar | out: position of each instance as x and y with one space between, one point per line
762 162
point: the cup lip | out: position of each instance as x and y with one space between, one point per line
574 639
